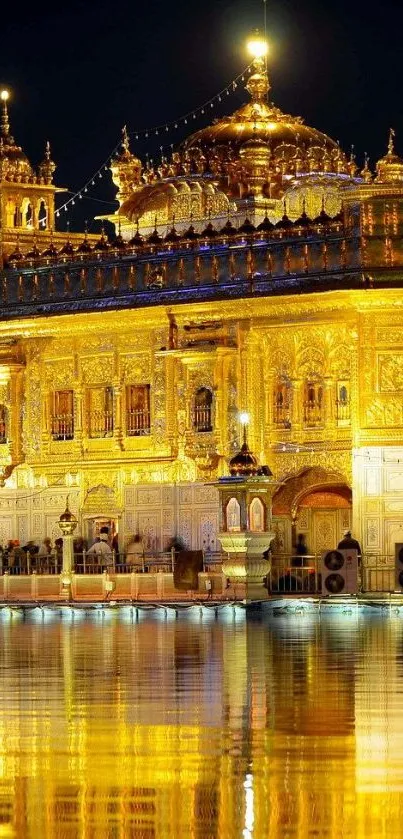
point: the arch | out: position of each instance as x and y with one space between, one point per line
343 402
315 502
313 401
257 515
27 213
233 515
282 402
17 217
43 214
202 410
295 487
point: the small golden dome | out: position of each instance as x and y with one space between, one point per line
389 168
244 463
67 516
13 162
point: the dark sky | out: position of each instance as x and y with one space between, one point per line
79 70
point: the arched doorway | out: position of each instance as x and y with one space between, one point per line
100 509
316 503
323 515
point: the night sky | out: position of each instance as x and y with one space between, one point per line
78 71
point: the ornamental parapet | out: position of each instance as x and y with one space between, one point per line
164 275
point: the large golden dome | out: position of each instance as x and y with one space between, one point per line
258 155
292 147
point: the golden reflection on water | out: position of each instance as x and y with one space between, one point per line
117 726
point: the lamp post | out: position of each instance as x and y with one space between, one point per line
67 524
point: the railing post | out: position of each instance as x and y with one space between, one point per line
34 586
6 585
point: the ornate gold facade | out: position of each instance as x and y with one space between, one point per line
124 367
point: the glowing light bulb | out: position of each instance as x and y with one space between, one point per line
244 418
257 46
4 95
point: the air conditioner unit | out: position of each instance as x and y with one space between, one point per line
340 572
399 566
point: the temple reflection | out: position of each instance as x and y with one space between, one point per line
265 727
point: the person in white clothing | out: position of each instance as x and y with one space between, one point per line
101 551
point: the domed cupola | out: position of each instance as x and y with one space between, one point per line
261 136
14 164
389 168
244 463
126 170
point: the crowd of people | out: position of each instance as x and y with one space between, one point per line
47 557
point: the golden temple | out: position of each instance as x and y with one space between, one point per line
255 270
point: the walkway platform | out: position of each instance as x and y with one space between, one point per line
276 604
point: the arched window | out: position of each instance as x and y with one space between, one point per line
43 216
233 515
3 423
202 412
256 516
17 217
29 216
343 403
282 403
313 403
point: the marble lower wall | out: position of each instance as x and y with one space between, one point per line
157 512
378 498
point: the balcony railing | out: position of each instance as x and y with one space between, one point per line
281 414
313 413
62 426
138 423
100 423
202 419
343 410
239 267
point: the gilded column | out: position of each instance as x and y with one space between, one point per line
329 403
117 427
47 409
269 426
297 406
78 415
16 396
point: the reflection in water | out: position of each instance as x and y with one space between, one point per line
115 725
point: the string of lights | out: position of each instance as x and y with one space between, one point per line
154 131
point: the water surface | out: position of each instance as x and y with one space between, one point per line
120 724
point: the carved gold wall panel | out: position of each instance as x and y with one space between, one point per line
349 337
390 371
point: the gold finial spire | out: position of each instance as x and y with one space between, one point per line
391 143
258 85
5 125
366 173
47 167
125 140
